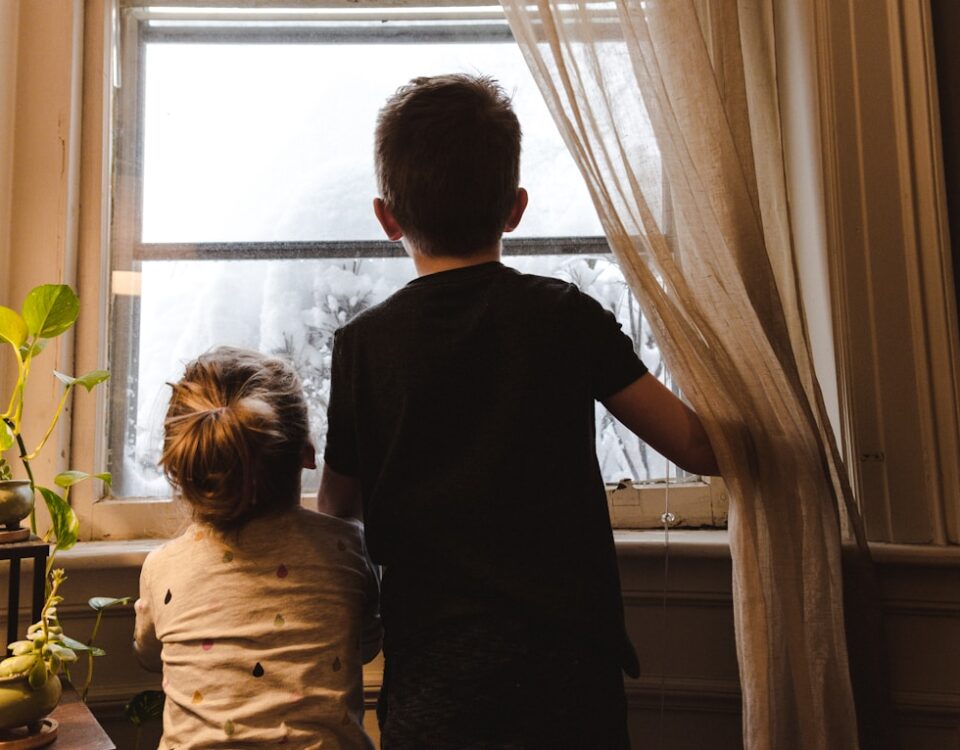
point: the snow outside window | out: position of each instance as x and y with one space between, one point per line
243 190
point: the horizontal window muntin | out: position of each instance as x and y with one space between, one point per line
350 249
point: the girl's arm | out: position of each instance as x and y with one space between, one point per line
372 633
146 645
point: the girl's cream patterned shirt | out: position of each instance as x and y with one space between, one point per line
262 635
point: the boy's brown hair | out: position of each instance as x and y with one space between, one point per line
447 153
235 435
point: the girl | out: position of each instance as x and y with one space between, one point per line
262 613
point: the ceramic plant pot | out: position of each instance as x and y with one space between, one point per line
16 502
21 705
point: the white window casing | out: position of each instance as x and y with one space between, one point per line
894 307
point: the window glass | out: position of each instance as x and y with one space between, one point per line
291 308
263 142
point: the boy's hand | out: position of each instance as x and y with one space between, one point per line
339 495
653 413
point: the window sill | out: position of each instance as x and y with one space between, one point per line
695 505
128 553
692 543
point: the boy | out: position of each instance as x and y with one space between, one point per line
461 429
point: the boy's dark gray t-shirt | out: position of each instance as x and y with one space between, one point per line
464 403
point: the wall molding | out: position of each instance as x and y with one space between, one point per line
919 608
711 599
714 696
927 702
720 696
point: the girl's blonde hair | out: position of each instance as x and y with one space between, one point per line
235 435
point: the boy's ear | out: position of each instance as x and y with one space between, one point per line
387 220
516 213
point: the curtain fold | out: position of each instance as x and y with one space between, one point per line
670 109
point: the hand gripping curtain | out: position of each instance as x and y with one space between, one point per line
670 110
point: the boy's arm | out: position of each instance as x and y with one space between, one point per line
653 413
339 495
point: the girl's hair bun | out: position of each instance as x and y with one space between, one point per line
235 435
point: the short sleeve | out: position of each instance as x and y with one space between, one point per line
613 362
340 452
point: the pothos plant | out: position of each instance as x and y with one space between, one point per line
46 649
47 312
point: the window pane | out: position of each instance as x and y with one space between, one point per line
266 142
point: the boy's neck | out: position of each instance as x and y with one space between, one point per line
428 264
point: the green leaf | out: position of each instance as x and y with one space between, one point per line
13 329
65 653
145 706
50 309
18 664
99 603
32 351
66 525
88 380
18 648
38 675
69 478
74 645
7 437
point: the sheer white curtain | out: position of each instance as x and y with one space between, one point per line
670 109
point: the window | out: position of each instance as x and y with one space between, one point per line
243 182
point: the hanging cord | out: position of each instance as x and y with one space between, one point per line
667 519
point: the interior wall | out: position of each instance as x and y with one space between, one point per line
9 26
39 132
43 138
688 693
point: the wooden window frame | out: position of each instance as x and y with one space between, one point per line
692 503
